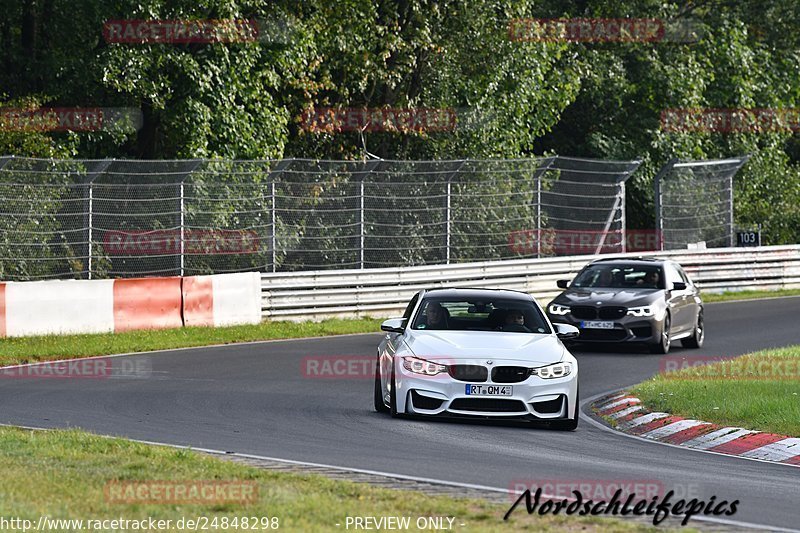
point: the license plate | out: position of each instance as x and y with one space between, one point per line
489 390
589 324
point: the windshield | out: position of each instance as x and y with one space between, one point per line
620 276
491 314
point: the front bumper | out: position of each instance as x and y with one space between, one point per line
626 329
442 395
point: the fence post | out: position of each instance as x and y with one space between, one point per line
360 177
282 166
191 166
537 176
659 215
88 219
448 209
730 199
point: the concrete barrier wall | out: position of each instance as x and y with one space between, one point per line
102 306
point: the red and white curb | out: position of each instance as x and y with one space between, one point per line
628 415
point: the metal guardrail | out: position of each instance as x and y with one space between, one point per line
384 292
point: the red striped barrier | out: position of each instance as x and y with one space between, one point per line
198 301
147 303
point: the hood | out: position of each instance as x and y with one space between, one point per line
526 348
625 298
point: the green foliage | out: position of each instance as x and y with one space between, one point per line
246 100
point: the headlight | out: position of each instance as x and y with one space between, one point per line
421 366
641 311
558 370
556 309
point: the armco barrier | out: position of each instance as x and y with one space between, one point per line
100 306
385 291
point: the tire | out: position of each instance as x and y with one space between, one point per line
662 346
699 335
572 423
393 396
380 405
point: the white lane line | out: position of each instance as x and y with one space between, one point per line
671 429
619 402
625 412
777 451
715 438
644 419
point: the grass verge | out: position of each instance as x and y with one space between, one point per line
755 391
16 350
727 296
64 475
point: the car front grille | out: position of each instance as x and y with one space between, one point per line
510 374
583 312
487 405
469 373
612 312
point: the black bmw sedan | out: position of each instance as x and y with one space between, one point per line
650 301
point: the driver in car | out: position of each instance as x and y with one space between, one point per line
515 321
435 316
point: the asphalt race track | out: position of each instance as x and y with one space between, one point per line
254 398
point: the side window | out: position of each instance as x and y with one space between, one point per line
411 305
672 274
684 277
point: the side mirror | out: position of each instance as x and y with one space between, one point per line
679 286
562 283
394 325
566 331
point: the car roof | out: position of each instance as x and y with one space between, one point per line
640 261
478 293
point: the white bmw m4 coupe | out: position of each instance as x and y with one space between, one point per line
477 353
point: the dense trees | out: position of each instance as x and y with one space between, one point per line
246 100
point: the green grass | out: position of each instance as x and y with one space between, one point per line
17 350
62 474
756 391
727 296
